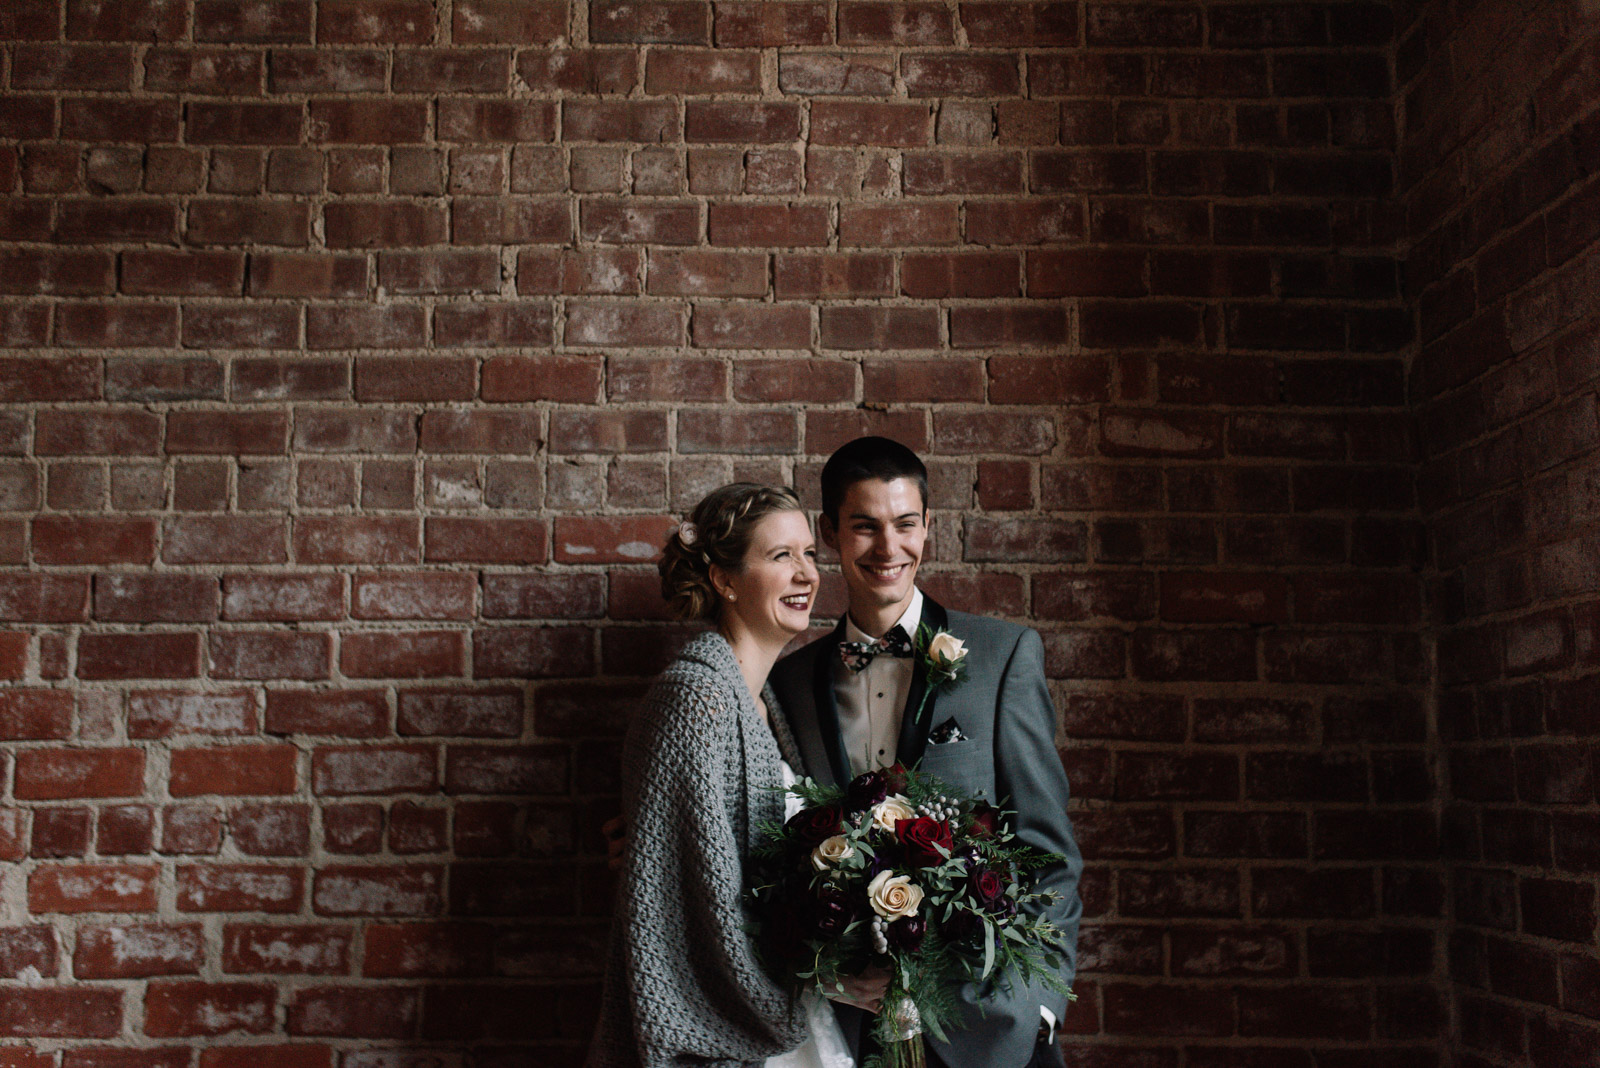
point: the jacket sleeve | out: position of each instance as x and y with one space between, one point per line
698 994
1028 771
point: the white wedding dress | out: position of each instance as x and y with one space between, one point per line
826 1047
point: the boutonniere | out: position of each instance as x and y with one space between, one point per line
943 657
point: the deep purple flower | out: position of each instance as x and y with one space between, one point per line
831 912
962 927
814 825
905 934
865 791
877 862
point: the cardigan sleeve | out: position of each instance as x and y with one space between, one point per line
698 993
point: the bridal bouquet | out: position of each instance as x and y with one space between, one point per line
894 872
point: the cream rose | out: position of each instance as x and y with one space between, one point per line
890 811
893 896
946 648
831 851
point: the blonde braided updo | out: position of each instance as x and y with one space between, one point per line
717 532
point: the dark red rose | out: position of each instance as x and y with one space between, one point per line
921 837
962 928
894 776
985 820
865 791
905 934
986 887
813 825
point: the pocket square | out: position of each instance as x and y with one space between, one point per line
945 733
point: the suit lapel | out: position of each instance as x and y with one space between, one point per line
913 728
828 706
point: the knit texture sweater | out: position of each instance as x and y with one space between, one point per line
700 774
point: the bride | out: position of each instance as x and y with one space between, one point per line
702 766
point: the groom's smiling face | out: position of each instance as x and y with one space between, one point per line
880 535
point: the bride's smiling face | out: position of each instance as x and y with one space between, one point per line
776 585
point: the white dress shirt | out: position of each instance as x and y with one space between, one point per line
872 701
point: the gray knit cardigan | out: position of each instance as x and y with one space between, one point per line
699 774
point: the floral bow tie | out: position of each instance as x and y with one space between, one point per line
857 655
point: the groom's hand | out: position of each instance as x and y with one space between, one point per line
616 831
864 991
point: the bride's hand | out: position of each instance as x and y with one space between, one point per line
864 991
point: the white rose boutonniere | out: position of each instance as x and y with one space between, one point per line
831 851
893 896
946 650
943 658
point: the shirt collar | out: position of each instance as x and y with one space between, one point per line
908 621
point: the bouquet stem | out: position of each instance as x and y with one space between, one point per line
906 1049
907 1054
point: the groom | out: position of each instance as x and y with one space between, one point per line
850 698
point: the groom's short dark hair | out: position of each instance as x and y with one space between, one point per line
865 458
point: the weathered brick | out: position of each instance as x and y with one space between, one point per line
287 949
376 224
312 71
517 22
598 71
476 712
233 770
347 1012
411 654
34 713
139 656
900 23
54 774
175 598
750 326
836 74
768 225
72 67
376 890
589 272
960 74
201 1008
137 951
92 888
765 25
1030 24
61 832
903 125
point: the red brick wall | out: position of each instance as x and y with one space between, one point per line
1498 170
358 351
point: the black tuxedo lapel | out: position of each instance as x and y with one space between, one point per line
828 705
914 728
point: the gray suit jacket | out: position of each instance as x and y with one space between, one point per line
1008 756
